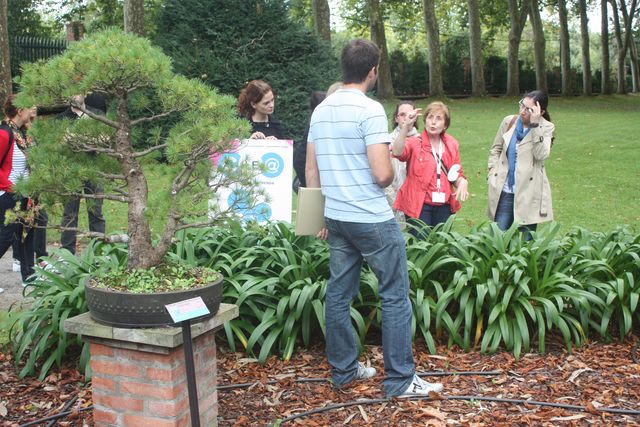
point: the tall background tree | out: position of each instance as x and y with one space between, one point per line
565 49
322 19
539 46
605 81
433 41
475 49
623 32
5 62
586 55
134 17
376 24
518 11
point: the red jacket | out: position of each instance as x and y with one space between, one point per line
5 168
421 175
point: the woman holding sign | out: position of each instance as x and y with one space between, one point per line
256 104
435 184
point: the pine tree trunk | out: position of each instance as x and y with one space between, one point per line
433 41
605 82
539 47
5 62
385 84
134 17
322 19
141 251
586 57
475 48
517 17
565 52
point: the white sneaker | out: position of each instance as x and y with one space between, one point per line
420 387
16 265
365 372
1 290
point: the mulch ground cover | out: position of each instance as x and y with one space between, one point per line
594 377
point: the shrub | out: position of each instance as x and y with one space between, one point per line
228 43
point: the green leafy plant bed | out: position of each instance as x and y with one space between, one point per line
126 309
163 278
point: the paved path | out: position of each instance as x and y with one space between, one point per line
10 281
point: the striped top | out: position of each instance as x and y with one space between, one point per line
341 128
18 166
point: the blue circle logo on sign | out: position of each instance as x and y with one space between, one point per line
274 164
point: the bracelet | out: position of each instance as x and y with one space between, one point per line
534 125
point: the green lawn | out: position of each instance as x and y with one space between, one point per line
594 168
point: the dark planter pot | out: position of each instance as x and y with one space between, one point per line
127 310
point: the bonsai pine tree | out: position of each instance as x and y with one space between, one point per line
182 121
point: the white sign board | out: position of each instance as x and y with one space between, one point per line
277 156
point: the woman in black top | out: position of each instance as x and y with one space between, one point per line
256 104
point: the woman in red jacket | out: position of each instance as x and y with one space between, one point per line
435 183
13 166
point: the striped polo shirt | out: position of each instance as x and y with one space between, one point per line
341 128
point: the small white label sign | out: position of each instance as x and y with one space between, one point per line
187 309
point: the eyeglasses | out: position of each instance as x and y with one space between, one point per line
521 105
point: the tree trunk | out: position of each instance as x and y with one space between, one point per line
605 82
433 41
565 52
385 84
623 44
134 17
517 17
586 57
141 251
635 78
539 46
475 48
5 62
322 19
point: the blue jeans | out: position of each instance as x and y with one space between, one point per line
504 215
12 235
430 215
382 246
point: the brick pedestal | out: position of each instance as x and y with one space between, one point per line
139 375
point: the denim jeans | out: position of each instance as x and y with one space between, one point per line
430 215
505 216
382 246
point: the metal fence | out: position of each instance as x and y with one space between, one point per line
30 49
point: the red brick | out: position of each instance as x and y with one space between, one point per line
166 409
103 383
142 421
116 369
152 390
100 350
104 418
139 356
120 404
165 374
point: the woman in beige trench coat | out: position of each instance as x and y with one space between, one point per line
519 190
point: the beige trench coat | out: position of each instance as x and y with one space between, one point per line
532 201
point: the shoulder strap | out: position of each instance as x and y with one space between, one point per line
10 132
513 120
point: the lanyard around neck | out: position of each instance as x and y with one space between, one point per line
438 158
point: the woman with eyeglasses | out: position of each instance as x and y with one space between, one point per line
519 190
435 183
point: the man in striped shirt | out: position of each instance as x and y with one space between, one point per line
348 157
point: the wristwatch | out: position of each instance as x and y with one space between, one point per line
534 125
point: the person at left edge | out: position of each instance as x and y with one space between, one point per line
256 103
13 166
